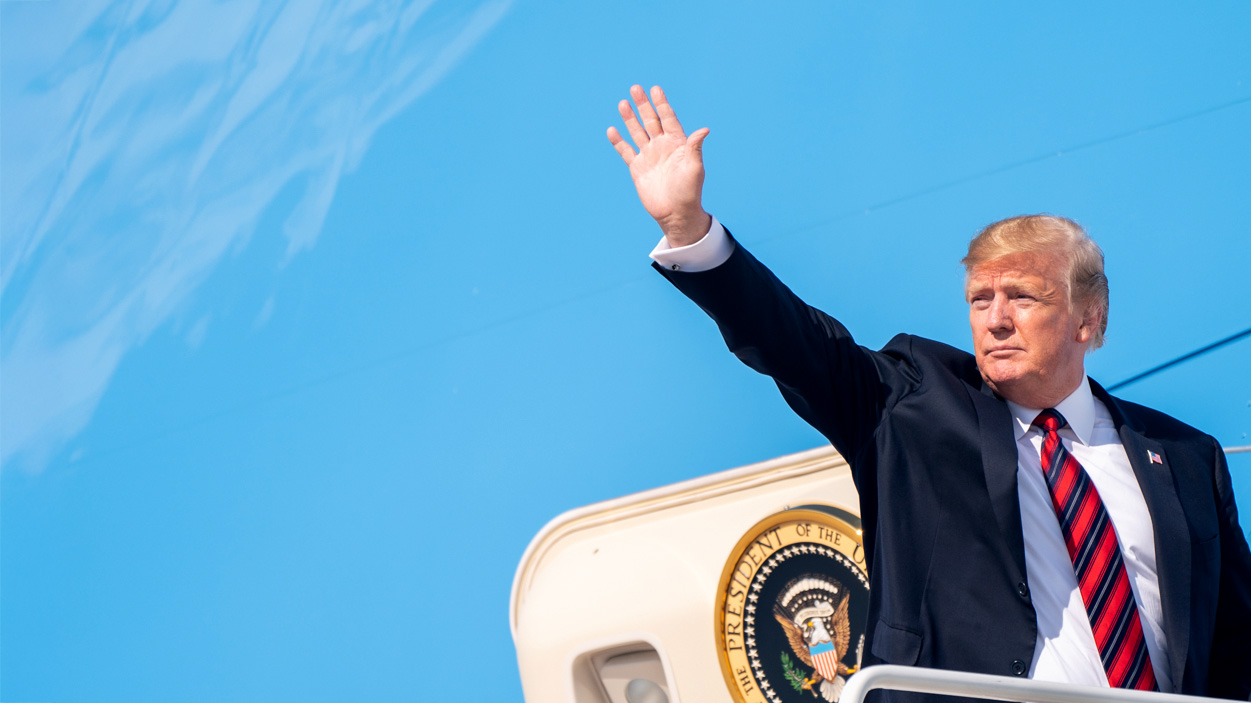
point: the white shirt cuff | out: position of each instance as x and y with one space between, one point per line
708 253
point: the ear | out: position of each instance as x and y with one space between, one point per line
1089 325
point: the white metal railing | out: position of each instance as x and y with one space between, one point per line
999 688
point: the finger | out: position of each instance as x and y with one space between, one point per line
618 143
637 133
696 142
650 122
668 119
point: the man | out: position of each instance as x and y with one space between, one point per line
1018 519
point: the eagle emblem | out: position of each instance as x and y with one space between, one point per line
793 607
813 612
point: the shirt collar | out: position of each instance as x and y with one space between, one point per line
1078 410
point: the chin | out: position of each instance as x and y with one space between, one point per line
999 378
1014 388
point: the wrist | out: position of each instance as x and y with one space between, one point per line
683 230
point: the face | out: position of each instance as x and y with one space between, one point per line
1029 343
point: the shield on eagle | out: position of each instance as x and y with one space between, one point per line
824 659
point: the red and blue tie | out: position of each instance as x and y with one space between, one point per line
1096 555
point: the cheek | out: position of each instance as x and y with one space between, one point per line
976 333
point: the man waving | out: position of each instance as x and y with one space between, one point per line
1018 519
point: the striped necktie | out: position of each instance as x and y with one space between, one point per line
1096 555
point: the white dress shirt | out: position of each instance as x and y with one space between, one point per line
1065 649
708 253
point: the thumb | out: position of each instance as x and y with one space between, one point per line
696 141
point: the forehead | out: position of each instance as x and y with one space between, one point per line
1037 267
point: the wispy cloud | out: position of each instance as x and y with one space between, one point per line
142 143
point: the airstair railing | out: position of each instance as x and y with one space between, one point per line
999 688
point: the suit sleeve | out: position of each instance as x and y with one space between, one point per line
837 386
1230 672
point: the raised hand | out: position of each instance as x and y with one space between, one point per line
668 168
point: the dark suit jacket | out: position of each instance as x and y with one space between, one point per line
934 459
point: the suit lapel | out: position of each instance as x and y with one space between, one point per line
1172 534
999 463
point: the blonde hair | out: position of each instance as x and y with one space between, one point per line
1087 284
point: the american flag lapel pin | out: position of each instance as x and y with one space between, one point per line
1154 458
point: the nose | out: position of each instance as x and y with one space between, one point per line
999 315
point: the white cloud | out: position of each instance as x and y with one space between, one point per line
266 312
142 143
197 333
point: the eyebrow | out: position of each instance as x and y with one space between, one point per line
1036 285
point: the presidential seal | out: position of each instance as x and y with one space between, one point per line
792 607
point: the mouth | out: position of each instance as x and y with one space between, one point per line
1002 352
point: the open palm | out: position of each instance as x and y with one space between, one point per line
667 169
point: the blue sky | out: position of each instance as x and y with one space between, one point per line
314 313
